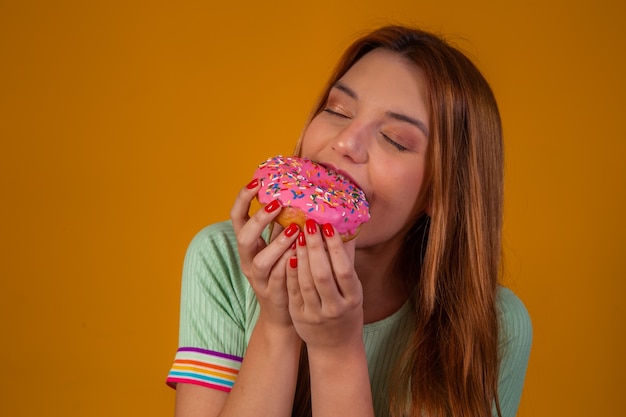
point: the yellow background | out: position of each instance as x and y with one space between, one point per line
126 127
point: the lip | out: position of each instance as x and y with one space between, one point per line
341 172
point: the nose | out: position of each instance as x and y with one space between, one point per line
352 143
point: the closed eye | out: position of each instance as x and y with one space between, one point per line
335 113
394 143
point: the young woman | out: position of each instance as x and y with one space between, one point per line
408 319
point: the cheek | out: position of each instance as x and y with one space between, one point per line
400 185
396 196
313 138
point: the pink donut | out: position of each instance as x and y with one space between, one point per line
308 190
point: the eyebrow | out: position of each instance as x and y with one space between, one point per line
403 118
393 115
347 90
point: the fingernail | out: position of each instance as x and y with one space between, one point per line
328 230
293 228
252 184
293 262
301 240
311 226
293 245
272 206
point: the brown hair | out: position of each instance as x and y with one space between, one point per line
451 257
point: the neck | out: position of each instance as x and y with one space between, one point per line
383 292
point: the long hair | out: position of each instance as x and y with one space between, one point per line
451 256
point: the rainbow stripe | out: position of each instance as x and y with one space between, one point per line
204 367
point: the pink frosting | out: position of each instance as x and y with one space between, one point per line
322 194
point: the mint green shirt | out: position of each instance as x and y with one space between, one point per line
219 310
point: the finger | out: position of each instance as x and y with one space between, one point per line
250 229
276 285
277 276
239 212
310 296
320 266
296 302
342 259
265 261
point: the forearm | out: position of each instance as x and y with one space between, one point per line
340 384
266 382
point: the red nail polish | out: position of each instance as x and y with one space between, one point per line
293 262
311 226
253 184
293 245
293 228
328 230
272 206
301 239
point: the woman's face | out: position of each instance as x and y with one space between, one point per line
374 128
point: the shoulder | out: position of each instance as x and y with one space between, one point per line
515 323
221 232
515 339
219 237
214 242
212 266
511 308
213 252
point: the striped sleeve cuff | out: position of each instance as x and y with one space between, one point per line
204 367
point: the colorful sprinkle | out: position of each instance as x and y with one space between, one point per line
313 188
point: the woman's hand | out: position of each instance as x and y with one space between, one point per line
325 294
264 264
